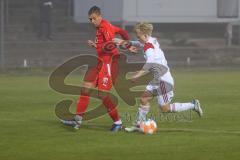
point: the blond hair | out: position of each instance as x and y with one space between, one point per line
144 28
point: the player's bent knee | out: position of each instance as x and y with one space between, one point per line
102 95
86 87
165 108
144 100
84 90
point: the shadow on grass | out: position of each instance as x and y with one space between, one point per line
91 126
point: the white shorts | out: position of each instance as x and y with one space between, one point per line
163 96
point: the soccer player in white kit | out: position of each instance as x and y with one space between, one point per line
162 84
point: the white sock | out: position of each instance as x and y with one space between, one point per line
78 119
142 112
179 107
118 122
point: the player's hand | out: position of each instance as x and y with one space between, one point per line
133 49
92 44
118 41
137 75
133 79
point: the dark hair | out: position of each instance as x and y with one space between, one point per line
94 9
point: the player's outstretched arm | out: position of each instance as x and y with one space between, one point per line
137 44
133 49
137 75
118 41
126 44
123 33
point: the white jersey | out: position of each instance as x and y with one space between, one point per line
154 55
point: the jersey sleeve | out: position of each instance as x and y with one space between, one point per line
148 46
123 33
137 44
155 67
149 53
147 66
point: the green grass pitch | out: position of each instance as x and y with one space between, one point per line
29 128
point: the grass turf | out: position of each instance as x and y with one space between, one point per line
30 129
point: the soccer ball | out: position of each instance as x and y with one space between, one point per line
148 127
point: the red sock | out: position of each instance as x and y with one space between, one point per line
112 108
82 104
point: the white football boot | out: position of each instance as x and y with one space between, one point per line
197 107
75 123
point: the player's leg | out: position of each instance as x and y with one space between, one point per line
81 106
114 74
164 100
142 111
179 107
109 103
84 99
197 107
89 82
144 106
111 106
115 68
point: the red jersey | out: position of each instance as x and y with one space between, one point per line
106 33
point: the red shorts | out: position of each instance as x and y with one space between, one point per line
104 74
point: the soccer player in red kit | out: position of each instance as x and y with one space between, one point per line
105 73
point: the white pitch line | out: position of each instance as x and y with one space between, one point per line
199 130
8 119
163 129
